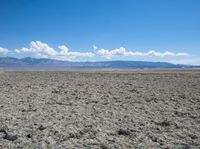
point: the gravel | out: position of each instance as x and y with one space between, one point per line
100 110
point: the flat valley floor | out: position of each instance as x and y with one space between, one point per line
100 109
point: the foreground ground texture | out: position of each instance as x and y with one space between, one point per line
106 110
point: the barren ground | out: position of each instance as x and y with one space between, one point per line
106 110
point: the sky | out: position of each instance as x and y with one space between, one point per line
100 30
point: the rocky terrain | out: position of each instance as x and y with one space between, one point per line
103 110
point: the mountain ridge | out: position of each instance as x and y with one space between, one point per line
45 63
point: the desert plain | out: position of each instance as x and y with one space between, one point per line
100 109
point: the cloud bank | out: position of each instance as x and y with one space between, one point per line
72 55
42 50
3 50
123 52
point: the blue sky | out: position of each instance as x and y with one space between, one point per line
93 30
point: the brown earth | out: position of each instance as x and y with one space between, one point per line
106 110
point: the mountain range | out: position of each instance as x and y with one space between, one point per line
28 63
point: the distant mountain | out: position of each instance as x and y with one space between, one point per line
34 63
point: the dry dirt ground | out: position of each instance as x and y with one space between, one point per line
106 110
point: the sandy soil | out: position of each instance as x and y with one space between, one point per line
103 110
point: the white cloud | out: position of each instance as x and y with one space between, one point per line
109 54
3 50
43 50
39 49
95 48
123 52
64 49
66 54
